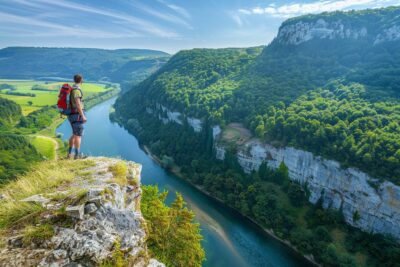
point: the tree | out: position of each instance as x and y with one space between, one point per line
174 237
282 175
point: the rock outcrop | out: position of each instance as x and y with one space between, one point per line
364 201
94 218
300 31
166 115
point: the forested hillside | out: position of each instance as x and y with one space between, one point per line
199 81
358 49
10 112
121 65
328 84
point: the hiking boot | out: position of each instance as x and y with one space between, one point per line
69 156
80 156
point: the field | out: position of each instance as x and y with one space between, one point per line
42 97
236 133
46 146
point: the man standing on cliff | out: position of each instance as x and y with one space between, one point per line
77 119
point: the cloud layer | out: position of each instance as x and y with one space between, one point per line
296 9
33 17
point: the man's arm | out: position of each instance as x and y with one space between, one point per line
79 108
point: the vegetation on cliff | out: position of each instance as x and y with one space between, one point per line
174 238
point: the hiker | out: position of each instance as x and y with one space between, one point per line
77 118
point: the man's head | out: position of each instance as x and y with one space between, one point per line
78 79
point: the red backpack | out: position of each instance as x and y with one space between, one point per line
64 99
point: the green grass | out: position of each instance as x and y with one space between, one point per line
45 146
235 133
43 98
44 178
119 171
37 234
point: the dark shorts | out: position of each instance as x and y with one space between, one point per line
76 124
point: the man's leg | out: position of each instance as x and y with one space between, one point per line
78 132
77 144
71 146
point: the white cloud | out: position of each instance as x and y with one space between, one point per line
244 11
296 9
141 24
237 19
162 15
178 9
55 29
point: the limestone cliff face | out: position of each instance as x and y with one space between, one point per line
352 191
167 115
106 219
301 31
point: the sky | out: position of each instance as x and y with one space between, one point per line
167 25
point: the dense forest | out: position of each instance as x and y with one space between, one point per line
337 97
339 123
10 112
13 146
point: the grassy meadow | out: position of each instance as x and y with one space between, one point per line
45 145
46 97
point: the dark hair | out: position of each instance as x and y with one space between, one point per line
78 78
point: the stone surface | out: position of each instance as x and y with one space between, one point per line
166 115
347 189
155 263
96 200
216 131
76 211
90 208
114 217
301 31
388 35
196 124
37 199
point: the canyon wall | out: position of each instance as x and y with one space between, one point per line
376 204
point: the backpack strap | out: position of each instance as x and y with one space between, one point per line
74 110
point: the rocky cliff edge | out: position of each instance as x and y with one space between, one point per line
92 219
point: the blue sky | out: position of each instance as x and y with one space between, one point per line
168 25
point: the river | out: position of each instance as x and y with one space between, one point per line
229 239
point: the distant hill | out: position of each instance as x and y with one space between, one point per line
121 65
355 46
